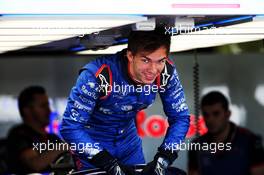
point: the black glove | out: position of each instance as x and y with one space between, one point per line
159 166
107 162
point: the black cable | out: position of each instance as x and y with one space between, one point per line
196 90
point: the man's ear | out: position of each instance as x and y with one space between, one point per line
129 56
228 114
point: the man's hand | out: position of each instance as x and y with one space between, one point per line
156 167
110 164
159 166
36 162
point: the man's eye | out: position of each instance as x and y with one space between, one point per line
162 61
145 61
216 114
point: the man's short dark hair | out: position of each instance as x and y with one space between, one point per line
148 41
26 97
215 97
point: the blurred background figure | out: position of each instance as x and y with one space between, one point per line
3 156
241 152
24 140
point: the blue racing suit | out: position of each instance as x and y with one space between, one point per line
102 108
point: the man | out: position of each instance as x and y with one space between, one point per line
24 157
239 151
109 92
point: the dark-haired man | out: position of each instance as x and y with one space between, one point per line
102 106
238 150
24 157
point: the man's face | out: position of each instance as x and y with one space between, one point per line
40 110
216 118
145 67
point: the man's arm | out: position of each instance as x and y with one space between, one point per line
81 103
258 170
192 163
26 152
193 172
176 109
83 98
38 162
257 156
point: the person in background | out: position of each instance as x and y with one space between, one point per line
241 152
24 139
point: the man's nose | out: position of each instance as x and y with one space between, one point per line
209 118
154 68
